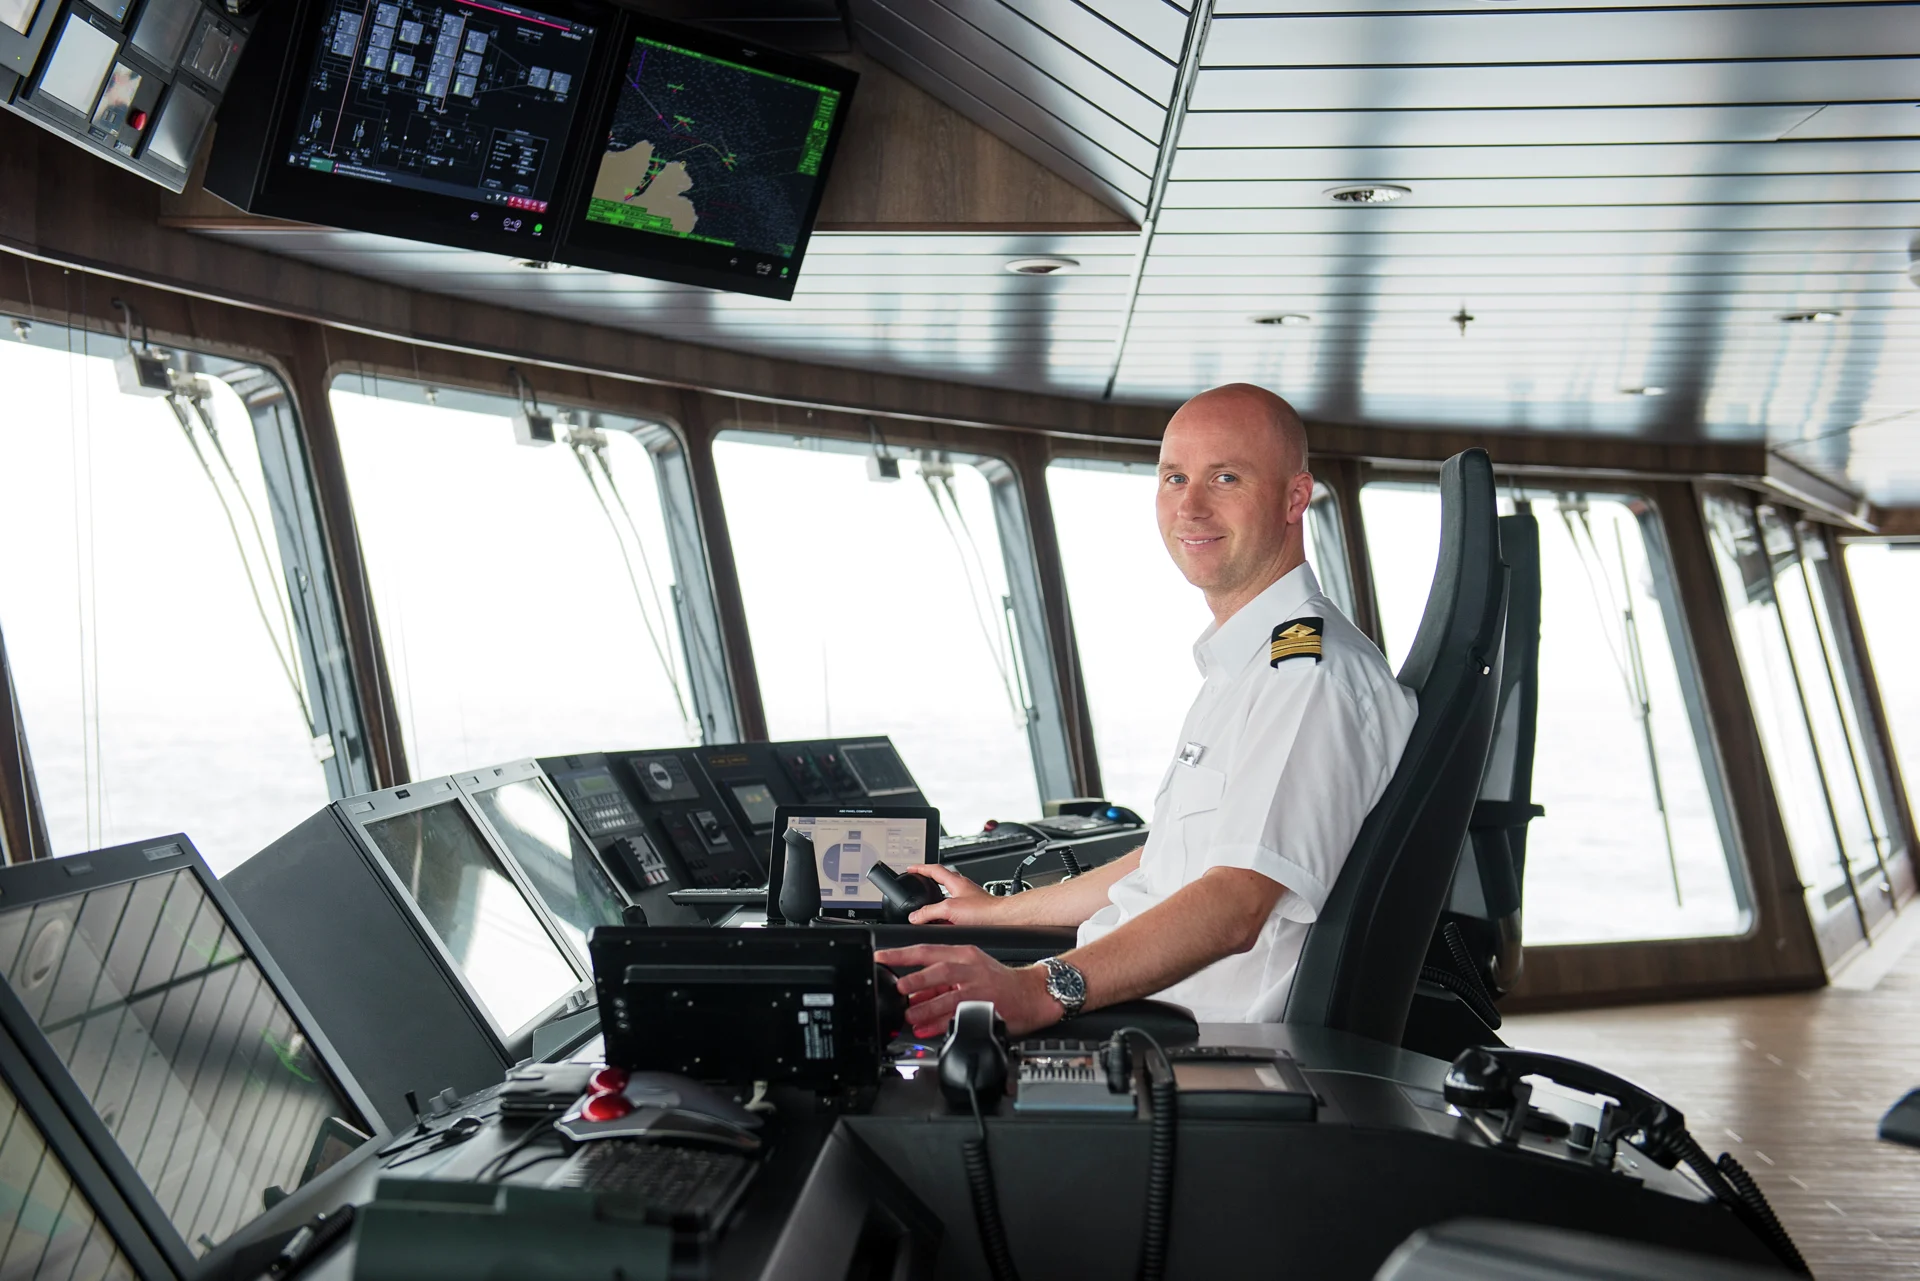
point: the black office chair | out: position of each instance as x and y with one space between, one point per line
1474 958
1362 957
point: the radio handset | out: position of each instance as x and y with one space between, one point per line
1491 1079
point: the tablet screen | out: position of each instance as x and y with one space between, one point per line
845 845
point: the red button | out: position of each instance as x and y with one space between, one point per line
606 1107
608 1080
137 119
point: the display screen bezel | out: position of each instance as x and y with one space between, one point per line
777 854
357 204
591 244
49 879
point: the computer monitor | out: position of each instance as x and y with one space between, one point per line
452 121
478 910
849 839
60 1215
150 1011
417 940
518 805
712 159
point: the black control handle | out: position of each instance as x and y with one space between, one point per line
799 880
902 895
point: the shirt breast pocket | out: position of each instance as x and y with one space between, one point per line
1193 800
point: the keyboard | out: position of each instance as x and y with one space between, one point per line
690 1190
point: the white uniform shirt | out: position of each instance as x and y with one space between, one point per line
1277 768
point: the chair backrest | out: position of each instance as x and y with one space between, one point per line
1362 958
1485 901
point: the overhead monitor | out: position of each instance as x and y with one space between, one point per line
453 121
478 912
712 160
144 1001
847 840
515 801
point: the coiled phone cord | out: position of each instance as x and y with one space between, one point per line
986 1203
1464 980
1161 1104
1729 1181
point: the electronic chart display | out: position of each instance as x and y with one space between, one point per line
712 164
514 967
468 107
182 1048
846 845
554 858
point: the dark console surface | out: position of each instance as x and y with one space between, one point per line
1332 1196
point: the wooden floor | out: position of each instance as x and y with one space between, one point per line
1793 1086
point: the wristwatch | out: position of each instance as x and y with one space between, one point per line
1066 985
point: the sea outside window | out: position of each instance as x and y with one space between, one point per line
1136 618
1886 589
525 594
880 607
1776 576
144 607
1634 844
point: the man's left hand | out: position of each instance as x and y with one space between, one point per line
949 975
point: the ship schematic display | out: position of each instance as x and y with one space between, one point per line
464 99
712 151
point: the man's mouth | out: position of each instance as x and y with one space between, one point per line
1200 542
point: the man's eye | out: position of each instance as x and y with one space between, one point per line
1174 478
1227 477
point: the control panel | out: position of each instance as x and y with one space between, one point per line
755 779
657 819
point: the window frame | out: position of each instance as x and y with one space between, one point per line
696 611
1742 868
1035 661
1894 846
281 438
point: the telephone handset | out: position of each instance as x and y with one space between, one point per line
1492 1079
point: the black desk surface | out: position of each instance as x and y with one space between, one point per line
1326 1199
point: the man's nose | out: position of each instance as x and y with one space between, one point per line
1193 504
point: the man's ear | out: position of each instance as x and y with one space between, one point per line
1301 496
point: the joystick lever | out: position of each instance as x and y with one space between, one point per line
902 895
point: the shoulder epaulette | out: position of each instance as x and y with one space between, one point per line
1296 638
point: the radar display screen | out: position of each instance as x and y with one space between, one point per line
456 98
713 157
712 151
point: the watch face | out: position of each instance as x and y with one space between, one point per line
1065 983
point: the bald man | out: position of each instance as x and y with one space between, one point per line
1293 737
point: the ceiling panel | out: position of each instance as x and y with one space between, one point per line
1052 144
1701 190
1578 85
1878 156
1107 44
1376 126
1603 188
968 56
1492 36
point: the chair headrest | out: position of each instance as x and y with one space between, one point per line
1462 585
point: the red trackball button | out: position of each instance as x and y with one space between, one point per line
606 1107
608 1080
137 119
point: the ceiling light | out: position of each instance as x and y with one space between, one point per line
1810 317
1042 266
1643 391
1282 318
1367 193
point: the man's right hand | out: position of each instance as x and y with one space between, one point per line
965 904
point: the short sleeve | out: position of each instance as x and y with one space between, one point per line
1309 767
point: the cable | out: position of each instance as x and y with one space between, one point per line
580 452
1162 1106
1464 979
493 1170
986 1204
1729 1181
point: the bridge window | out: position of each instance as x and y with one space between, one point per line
881 607
1781 592
526 595
1886 587
144 606
1135 618
1636 842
